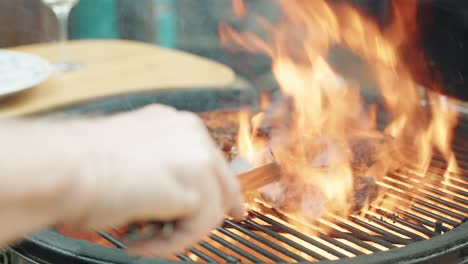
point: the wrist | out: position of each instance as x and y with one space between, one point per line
48 173
65 151
87 182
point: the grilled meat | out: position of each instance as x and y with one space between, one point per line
295 195
289 195
223 126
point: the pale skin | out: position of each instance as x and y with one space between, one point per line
152 164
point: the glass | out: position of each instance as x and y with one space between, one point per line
61 9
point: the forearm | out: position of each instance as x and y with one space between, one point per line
43 179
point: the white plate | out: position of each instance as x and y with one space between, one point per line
20 71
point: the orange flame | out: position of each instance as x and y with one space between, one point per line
252 151
314 147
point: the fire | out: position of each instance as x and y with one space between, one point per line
314 139
253 151
245 145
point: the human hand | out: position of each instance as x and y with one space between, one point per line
157 164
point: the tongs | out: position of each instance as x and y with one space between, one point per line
253 179
250 180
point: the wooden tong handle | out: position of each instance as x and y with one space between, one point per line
259 177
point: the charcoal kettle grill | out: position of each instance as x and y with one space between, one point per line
434 229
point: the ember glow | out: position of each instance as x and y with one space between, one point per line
315 142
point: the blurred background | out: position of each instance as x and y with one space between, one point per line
192 25
181 24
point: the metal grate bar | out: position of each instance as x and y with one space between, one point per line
463 176
445 211
407 233
462 157
265 241
402 221
232 247
386 235
461 153
421 202
340 244
436 199
338 234
362 235
431 176
455 190
446 203
299 235
438 192
460 147
439 176
425 212
421 220
184 257
202 255
433 179
219 253
439 165
320 235
284 240
434 216
437 170
111 239
250 245
334 233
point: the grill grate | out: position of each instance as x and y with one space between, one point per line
266 235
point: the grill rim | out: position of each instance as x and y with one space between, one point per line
50 245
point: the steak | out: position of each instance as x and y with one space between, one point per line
291 195
306 198
295 195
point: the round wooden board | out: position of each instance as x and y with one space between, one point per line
113 67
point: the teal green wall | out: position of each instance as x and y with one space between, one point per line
166 23
99 19
94 19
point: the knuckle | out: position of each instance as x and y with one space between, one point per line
191 118
218 218
203 160
158 108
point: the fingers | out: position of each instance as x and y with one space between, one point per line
177 203
232 196
186 234
227 181
187 231
157 109
161 247
178 241
195 186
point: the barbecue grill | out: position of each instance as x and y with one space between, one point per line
434 229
